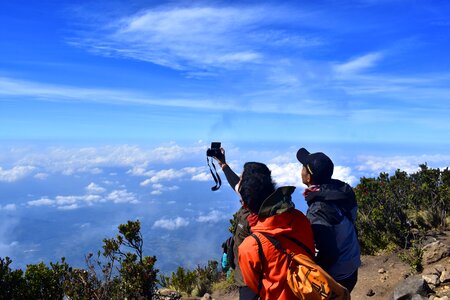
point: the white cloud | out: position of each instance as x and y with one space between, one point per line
71 160
171 224
344 174
409 164
122 196
200 37
9 207
73 201
41 176
68 207
158 188
41 202
286 174
176 37
204 176
139 171
16 173
171 174
290 174
358 64
93 188
213 216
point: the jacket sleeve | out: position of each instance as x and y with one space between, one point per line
232 177
324 235
250 263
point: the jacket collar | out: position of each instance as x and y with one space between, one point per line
336 191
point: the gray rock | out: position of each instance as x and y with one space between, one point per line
431 279
434 252
206 297
419 297
409 288
436 269
167 294
440 268
445 276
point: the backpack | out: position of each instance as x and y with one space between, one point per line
307 280
230 253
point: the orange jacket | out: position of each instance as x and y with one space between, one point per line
292 223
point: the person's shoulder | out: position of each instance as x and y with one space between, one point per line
323 212
250 243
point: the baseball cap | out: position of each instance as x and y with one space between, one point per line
318 165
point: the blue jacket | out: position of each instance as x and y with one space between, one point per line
332 213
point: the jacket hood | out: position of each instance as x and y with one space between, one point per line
277 203
336 190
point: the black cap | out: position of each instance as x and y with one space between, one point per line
318 165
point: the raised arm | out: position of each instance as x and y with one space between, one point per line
232 178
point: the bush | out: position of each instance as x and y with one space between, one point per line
12 283
198 281
124 274
391 208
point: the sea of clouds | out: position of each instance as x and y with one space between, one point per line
64 200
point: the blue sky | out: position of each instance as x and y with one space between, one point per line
107 108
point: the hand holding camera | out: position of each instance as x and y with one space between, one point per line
217 152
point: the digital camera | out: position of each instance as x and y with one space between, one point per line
214 151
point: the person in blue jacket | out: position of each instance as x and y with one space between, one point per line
332 211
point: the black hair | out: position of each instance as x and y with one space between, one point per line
256 185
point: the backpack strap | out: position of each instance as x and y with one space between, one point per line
262 258
304 247
277 244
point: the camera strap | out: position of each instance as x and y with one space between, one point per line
216 176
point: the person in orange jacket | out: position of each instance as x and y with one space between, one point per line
272 213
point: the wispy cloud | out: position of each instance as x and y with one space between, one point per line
41 176
358 64
50 92
40 91
8 207
171 224
196 36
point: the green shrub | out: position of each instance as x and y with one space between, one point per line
12 283
113 274
391 208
